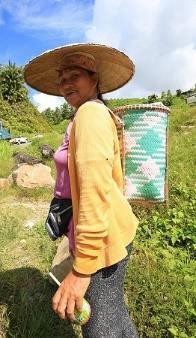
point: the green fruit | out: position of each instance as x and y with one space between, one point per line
83 316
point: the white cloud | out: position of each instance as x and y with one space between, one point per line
44 101
56 18
160 37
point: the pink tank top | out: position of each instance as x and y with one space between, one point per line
62 185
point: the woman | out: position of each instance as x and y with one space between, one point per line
103 225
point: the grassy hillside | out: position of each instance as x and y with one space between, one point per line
114 103
22 118
160 281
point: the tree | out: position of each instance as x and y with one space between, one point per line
178 92
49 114
67 111
152 98
12 86
167 98
64 112
58 115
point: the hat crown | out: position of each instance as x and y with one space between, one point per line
79 59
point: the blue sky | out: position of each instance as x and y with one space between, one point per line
159 35
29 27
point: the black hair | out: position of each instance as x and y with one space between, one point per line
100 97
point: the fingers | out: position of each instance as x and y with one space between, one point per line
59 304
70 309
70 295
63 307
55 300
79 304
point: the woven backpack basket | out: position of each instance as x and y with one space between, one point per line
143 138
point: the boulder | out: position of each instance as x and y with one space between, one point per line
46 151
20 157
31 176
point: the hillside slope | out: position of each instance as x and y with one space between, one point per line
22 118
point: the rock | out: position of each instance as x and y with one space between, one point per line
38 136
29 224
23 242
46 151
31 176
20 157
5 183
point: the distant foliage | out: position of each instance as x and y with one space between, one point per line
178 92
153 98
67 111
166 98
49 115
56 116
22 117
12 86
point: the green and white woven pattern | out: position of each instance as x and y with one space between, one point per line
145 135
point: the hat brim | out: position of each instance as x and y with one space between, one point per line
114 67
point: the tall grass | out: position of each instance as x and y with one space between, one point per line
5 150
6 161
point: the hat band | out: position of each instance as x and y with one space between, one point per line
82 60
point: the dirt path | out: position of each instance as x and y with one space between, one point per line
31 205
38 211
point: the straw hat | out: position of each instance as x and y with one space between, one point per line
114 68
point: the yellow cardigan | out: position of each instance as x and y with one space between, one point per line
104 223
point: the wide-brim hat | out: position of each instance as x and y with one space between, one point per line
114 68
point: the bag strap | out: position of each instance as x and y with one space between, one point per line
120 132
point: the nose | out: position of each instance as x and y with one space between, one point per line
65 86
65 83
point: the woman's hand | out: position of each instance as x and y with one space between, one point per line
70 294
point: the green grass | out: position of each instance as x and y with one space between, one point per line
160 292
54 139
6 162
25 292
160 280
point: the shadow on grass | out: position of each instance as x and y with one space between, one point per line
25 300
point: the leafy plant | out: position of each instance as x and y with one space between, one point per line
175 226
12 83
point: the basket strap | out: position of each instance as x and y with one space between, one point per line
120 132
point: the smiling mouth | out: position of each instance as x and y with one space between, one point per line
70 93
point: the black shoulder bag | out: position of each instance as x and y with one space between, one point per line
58 218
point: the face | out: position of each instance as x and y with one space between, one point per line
77 86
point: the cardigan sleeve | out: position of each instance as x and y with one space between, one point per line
94 144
